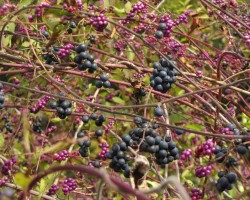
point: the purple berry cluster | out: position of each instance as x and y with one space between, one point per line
138 75
7 167
185 155
3 181
198 74
207 148
109 126
40 105
165 27
63 155
104 146
183 18
7 7
79 4
196 194
202 171
16 81
38 11
230 130
50 130
69 8
53 189
138 8
65 51
99 22
68 185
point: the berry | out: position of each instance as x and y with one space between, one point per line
80 134
158 112
98 132
159 34
179 131
104 77
85 119
106 84
241 149
93 116
232 177
99 84
81 48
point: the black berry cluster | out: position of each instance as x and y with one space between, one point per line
49 58
226 181
98 119
104 81
63 107
37 127
220 153
84 59
7 124
84 143
72 25
1 97
119 158
91 39
164 75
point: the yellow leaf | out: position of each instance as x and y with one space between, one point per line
22 180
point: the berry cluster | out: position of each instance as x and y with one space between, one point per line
119 158
38 11
84 60
185 155
37 126
83 143
63 107
7 124
65 51
91 39
105 149
40 105
99 22
242 149
207 148
63 155
95 164
230 130
231 161
72 25
164 75
98 119
7 7
50 130
53 189
164 29
109 126
220 153
226 181
202 171
104 81
7 167
1 97
3 181
196 194
49 58
68 185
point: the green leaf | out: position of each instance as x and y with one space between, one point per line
1 141
127 7
23 3
118 100
22 180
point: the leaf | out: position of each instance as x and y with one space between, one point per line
128 7
118 100
55 148
1 141
152 183
23 3
22 180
